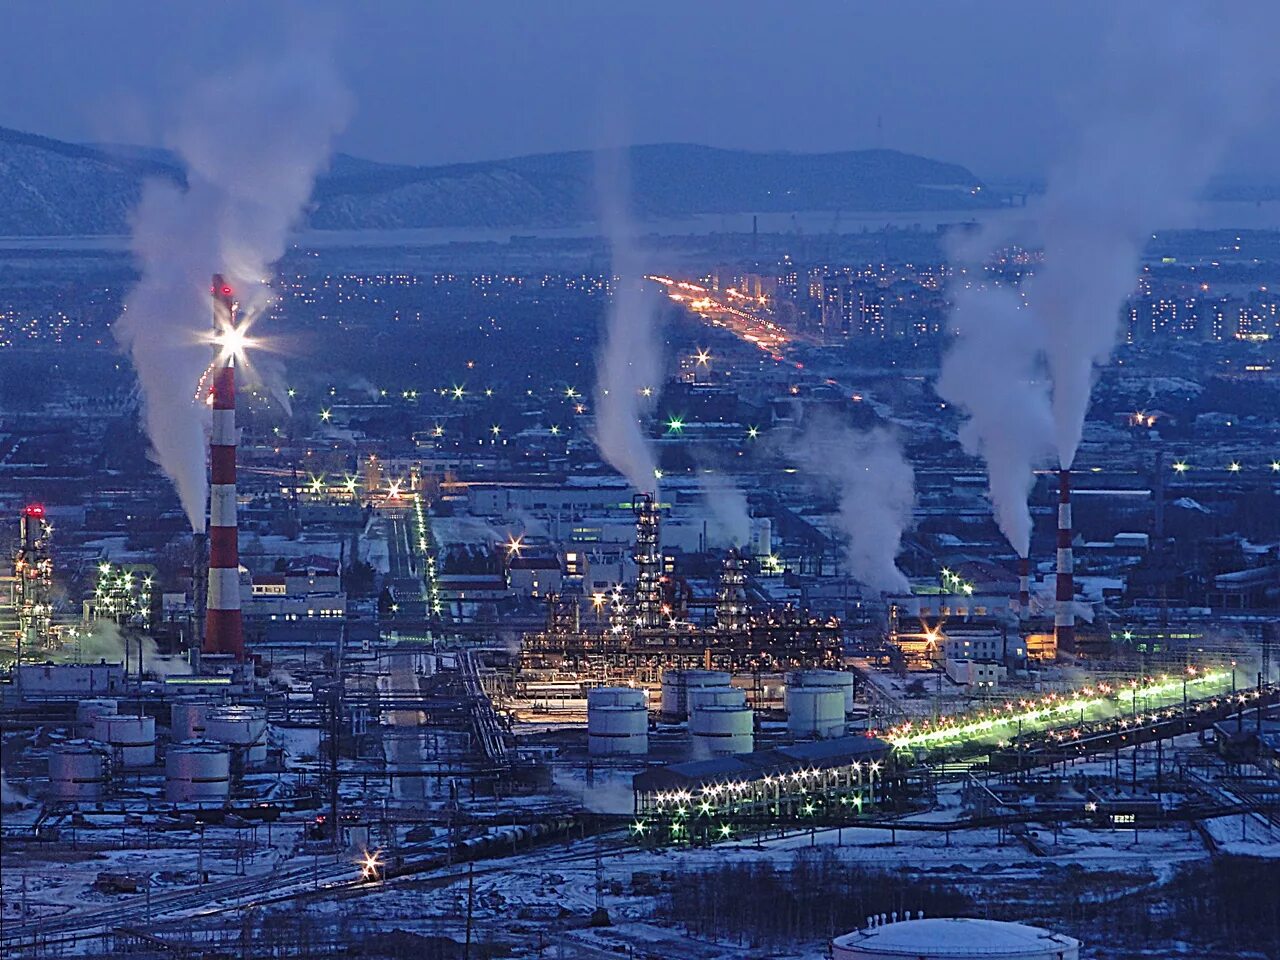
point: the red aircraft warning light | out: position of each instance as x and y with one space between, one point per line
35 510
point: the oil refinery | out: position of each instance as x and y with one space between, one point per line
437 561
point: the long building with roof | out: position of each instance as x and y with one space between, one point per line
705 800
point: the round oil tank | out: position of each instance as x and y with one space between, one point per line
89 710
837 679
243 729
815 712
721 730
198 771
676 685
617 721
187 716
716 696
130 736
954 939
77 771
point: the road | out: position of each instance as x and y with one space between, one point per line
405 576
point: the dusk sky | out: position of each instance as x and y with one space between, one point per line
986 84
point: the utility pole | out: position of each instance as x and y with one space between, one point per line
471 899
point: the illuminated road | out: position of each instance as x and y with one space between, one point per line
740 316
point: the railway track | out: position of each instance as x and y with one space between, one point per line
341 878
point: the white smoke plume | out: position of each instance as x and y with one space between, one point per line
104 640
994 372
630 358
875 488
1151 136
730 515
252 141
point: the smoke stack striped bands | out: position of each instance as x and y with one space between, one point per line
224 630
1024 587
1064 617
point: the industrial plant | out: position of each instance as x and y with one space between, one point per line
690 553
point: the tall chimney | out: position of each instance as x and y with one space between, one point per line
1024 587
224 630
1064 616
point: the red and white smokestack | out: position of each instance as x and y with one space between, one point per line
1024 587
1064 615
224 630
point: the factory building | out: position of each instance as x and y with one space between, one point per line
827 781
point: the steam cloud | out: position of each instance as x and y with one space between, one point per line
252 142
875 486
730 515
995 372
630 359
1150 136
105 641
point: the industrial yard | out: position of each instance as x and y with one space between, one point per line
773 546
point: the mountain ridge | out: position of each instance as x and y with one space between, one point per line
56 188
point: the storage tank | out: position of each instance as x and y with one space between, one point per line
617 721
676 685
187 716
716 696
89 710
721 730
837 679
77 771
130 736
815 712
243 729
198 771
953 939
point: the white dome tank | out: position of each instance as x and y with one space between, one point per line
187 716
89 710
838 679
244 729
617 721
198 771
815 712
676 685
77 771
131 736
721 730
953 939
716 696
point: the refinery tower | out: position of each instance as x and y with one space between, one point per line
224 630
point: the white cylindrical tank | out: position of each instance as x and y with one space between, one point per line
720 730
815 712
243 729
838 679
953 939
716 696
77 771
187 716
89 710
676 685
617 721
198 771
130 736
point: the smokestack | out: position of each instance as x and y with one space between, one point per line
224 631
1024 587
1064 617
199 587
